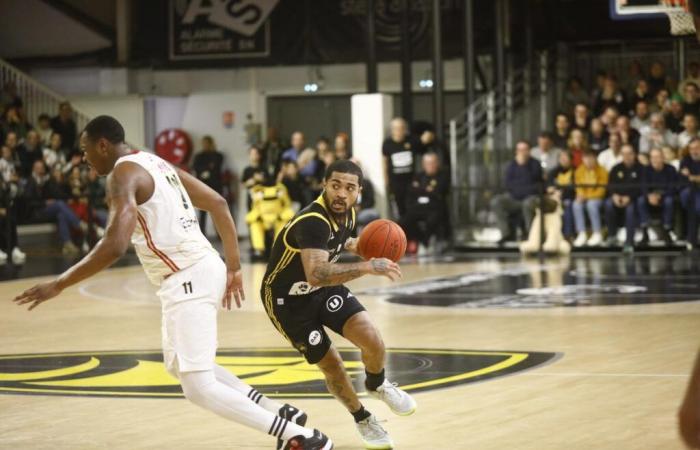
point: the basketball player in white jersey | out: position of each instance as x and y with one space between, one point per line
153 203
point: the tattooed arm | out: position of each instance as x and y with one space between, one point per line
320 272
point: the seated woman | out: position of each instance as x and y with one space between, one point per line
591 180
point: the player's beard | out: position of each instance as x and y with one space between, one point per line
330 203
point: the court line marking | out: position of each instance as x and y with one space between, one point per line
594 374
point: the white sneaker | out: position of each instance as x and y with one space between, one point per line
595 240
580 240
373 435
18 256
398 401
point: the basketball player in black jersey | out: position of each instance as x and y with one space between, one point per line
303 293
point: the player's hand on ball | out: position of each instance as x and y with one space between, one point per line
385 267
38 294
351 245
234 288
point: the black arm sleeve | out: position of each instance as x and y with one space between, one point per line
311 232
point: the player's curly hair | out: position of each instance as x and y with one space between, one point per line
344 166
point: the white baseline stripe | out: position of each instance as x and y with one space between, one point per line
591 374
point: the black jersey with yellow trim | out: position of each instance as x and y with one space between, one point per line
285 272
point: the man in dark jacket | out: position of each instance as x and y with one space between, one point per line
658 191
64 125
426 201
624 186
208 168
523 182
690 196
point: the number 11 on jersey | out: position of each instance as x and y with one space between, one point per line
188 287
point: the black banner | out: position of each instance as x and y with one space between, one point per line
219 29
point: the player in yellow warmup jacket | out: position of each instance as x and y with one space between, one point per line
269 211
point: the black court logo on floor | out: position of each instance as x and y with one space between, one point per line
545 287
277 373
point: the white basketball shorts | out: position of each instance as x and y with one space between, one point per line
190 299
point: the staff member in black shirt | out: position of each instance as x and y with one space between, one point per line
208 166
624 186
399 150
426 201
255 173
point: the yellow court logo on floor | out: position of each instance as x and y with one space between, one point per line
274 372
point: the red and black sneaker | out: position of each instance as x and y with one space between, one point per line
318 441
292 414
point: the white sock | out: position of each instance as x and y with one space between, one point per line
229 379
203 389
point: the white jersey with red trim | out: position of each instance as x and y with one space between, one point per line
167 237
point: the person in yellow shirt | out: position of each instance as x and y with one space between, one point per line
590 179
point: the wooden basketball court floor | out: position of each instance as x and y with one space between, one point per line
615 347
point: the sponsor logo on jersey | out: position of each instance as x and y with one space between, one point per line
281 373
334 303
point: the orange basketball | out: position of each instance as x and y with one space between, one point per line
382 239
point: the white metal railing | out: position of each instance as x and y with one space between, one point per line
36 97
482 135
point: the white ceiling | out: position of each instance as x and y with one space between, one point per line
31 28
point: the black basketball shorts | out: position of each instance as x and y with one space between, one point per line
302 318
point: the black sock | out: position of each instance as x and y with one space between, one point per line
374 380
361 414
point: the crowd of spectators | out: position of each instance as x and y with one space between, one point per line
43 179
621 155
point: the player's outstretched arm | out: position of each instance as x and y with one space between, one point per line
121 188
689 413
320 272
207 199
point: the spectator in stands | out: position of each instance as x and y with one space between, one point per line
591 180
289 177
598 136
574 94
208 167
691 103
12 142
342 146
427 203
582 118
429 143
656 135
635 73
400 150
657 78
623 189
523 180
328 158
545 152
690 130
255 173
641 117
272 150
323 146
577 146
44 129
46 199
674 116
661 103
9 95
28 152
64 125
692 75
600 77
96 192
8 222
609 118
640 94
609 157
562 128
628 135
611 95
298 143
8 167
55 153
560 185
365 207
690 196
671 157
658 191
13 122
311 172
